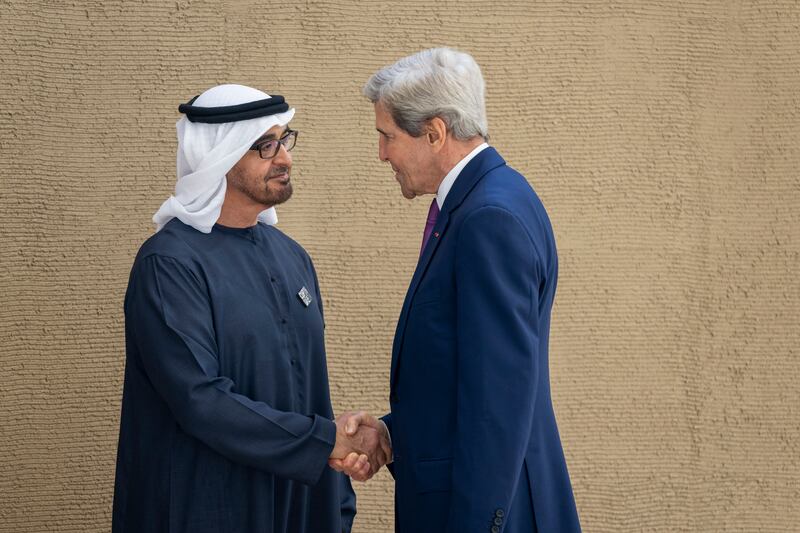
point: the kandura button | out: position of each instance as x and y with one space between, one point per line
499 513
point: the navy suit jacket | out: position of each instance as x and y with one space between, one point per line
476 447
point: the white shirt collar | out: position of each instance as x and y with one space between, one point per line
450 179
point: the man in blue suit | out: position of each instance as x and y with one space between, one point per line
475 442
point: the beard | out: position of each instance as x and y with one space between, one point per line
264 190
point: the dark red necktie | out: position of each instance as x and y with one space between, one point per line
433 214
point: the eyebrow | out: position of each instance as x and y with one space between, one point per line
272 136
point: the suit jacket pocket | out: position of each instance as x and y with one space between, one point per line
433 475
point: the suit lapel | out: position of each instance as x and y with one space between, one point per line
482 163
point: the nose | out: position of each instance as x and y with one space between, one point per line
382 155
283 157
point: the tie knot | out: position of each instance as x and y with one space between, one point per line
433 211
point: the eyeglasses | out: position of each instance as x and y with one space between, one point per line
269 149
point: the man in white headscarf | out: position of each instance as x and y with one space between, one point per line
226 421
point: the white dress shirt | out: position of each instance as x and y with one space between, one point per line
450 178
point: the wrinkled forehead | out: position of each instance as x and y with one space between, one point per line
383 118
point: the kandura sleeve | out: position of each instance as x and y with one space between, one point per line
172 323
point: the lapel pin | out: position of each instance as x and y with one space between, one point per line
304 296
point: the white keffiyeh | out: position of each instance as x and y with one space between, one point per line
206 152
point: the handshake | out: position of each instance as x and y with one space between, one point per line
362 445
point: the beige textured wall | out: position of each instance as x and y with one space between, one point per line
662 136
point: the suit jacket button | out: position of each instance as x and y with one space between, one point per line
495 529
498 521
499 513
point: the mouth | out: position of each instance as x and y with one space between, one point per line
282 178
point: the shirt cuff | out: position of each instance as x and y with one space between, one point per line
389 435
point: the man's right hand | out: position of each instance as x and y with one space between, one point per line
362 445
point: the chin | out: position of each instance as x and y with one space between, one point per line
408 194
278 197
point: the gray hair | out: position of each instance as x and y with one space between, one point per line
439 82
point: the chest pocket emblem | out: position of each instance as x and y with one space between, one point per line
304 296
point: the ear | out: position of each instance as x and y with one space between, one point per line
436 133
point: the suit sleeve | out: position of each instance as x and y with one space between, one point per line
497 278
168 310
387 419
